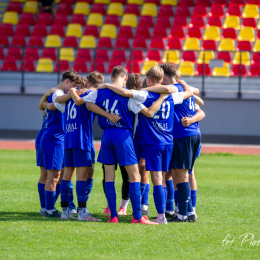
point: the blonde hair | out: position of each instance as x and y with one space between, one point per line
155 74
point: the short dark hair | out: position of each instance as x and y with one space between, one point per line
118 71
134 81
169 69
144 85
71 75
95 78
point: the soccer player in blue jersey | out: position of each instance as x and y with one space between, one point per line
52 142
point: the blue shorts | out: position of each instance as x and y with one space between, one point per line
117 146
76 157
157 157
139 149
93 153
170 165
39 155
185 151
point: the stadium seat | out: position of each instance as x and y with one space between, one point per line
4 40
163 21
49 53
143 32
137 2
199 70
212 33
122 43
87 41
15 7
232 22
80 66
221 72
133 67
217 11
236 71
70 41
246 34
81 8
35 41
197 21
98 9
132 9
157 2
98 66
191 44
154 55
67 54
105 43
137 55
256 58
253 2
244 46
186 2
180 21
125 32
65 8
177 32
220 2
39 30
226 45
189 56
19 41
10 18
78 19
215 21
224 55
245 58
166 10
235 10
9 65
24 29
209 55
146 21
203 2
171 56
27 19
14 54
44 65
61 65
61 19
95 19
44 18
200 11
195 32
31 54
209 45
119 54
183 10
102 55
53 41
254 70
113 20
6 29
157 43
186 68
251 11
30 7
251 22
102 2
57 29
108 30
92 30
27 65
84 54
147 65
113 63
169 2
160 32
229 33
237 2
129 20
174 43
74 30
149 9
139 43
115 9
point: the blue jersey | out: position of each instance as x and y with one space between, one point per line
186 109
78 125
41 132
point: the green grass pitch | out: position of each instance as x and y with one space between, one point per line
227 204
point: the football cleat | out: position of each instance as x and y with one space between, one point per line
67 216
163 222
168 215
73 211
176 219
84 215
54 214
42 211
113 220
144 220
122 211
106 211
192 218
145 212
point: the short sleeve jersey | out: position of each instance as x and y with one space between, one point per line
39 136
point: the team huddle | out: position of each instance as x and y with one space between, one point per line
150 126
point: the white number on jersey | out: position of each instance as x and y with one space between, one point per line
157 116
72 113
112 110
191 105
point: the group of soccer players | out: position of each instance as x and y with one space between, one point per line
149 126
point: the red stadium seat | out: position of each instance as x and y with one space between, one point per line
225 55
44 18
217 10
113 63
122 43
79 19
195 32
253 2
177 32
119 54
61 19
6 29
36 41
203 2
157 43
166 10
19 41
139 43
99 9
189 56
186 2
23 29
209 45
102 55
31 54
163 21
27 18
183 11
4 40
235 10
236 2
125 32
92 30
220 2
27 65
9 65
70 41
124 2
137 55
160 32
254 70
105 43
91 1
215 21
49 53
15 7
200 10
40 30
80 66
146 21
251 22
57 29
197 21
84 54
180 21
69 1
62 65
112 19
199 70
132 9
229 33
244 46
174 44
133 67
65 8
154 55
157 2
98 66
256 58
143 32
14 54
236 70
2 54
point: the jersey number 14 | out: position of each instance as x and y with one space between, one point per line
113 109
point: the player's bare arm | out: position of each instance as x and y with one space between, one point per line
186 121
77 100
162 89
187 90
199 101
117 89
50 106
45 97
63 98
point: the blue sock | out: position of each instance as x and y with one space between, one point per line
159 198
41 188
193 198
145 194
183 197
89 187
71 197
143 187
190 209
64 191
169 201
165 195
111 198
57 191
50 197
176 198
81 190
135 197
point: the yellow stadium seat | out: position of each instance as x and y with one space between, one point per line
222 72
81 8
95 19
169 2
87 41
147 65
149 9
212 33
192 44
10 17
30 7
74 29
209 55
186 68
247 34
129 20
226 45
57 1
44 65
108 30
67 54
171 57
106 2
53 41
245 58
137 2
21 1
251 11
115 9
232 22
257 46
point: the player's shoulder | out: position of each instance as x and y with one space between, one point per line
179 87
86 93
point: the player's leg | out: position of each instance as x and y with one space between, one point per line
193 187
41 187
58 184
174 179
125 191
170 194
90 179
